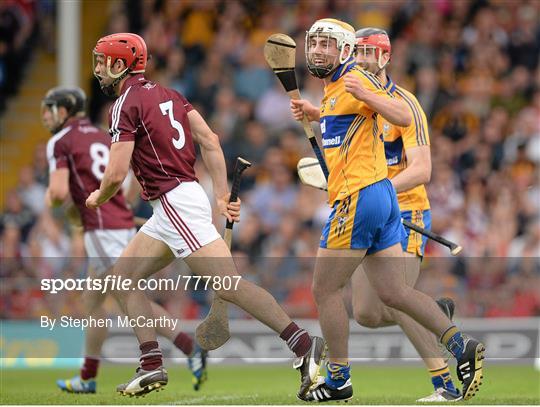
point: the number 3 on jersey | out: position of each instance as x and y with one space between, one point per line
167 108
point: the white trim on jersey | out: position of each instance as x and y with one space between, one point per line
113 117
116 111
50 147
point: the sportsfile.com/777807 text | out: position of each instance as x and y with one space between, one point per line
112 282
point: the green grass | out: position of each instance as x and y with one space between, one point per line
265 385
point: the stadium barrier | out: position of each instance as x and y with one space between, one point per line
27 345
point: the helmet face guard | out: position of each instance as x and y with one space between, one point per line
374 39
56 125
72 99
321 63
128 47
108 90
322 39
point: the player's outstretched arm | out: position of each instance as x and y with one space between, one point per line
395 111
418 171
115 173
213 158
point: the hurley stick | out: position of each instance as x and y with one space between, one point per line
279 52
213 332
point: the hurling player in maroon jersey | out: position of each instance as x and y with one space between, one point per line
78 153
154 128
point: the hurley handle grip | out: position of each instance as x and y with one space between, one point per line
233 197
319 155
295 95
239 168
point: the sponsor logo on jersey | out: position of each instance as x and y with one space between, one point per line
332 141
392 161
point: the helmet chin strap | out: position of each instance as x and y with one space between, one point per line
380 65
376 73
320 71
323 71
56 125
109 90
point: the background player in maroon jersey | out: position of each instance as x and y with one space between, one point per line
155 128
78 153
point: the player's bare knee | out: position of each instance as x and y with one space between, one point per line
122 294
319 292
227 295
393 298
367 319
393 315
231 294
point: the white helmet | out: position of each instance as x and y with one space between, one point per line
344 35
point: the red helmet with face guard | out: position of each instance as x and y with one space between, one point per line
129 47
376 38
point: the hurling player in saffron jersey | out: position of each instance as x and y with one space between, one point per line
365 224
408 160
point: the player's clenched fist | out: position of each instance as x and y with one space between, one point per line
231 210
300 107
354 86
92 200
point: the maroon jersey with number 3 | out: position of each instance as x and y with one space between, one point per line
83 149
155 118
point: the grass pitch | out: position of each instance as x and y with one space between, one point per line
264 385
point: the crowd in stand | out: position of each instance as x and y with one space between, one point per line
17 36
474 66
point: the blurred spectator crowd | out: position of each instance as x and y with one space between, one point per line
18 31
474 66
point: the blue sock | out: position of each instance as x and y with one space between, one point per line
337 374
448 383
445 381
441 379
437 381
455 345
